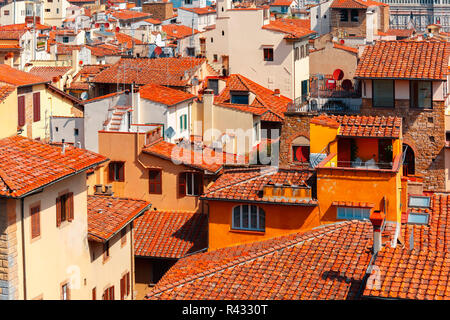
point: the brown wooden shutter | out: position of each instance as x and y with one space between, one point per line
94 294
121 171
36 106
199 183
111 171
122 288
35 222
182 184
58 211
128 283
112 293
21 110
69 206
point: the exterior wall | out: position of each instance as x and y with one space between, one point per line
320 17
8 115
160 10
293 127
200 21
351 28
66 130
329 59
57 13
136 183
280 220
21 12
423 131
96 113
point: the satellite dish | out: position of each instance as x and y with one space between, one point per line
338 74
347 85
170 132
342 41
84 95
195 81
159 41
158 51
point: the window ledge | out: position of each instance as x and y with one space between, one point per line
255 232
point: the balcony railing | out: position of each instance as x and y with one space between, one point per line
323 105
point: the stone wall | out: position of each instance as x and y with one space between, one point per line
357 29
294 125
8 252
424 132
159 10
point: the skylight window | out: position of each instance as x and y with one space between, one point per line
419 202
418 218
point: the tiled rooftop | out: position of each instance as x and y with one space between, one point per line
355 4
170 234
245 184
328 262
48 73
178 31
16 77
128 14
107 215
293 28
405 60
362 126
28 164
164 95
5 91
200 11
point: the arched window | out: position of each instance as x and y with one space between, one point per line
300 149
248 217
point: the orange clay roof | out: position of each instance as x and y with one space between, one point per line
123 38
102 50
264 101
5 91
170 234
204 159
355 4
107 215
400 32
28 164
163 71
23 26
18 78
293 28
362 126
128 14
178 31
11 35
405 60
48 73
164 95
326 263
200 11
281 3
349 49
153 21
245 185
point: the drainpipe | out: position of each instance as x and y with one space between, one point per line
132 261
22 214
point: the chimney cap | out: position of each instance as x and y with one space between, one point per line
377 218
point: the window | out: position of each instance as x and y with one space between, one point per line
36 106
35 221
354 15
125 286
190 52
300 153
6 13
248 217
21 110
94 294
223 33
418 218
116 171
183 122
383 93
296 54
419 202
47 10
213 84
350 213
190 183
421 94
239 98
215 56
108 294
65 291
123 236
75 132
64 208
106 251
155 181
65 39
188 1
212 40
344 15
268 54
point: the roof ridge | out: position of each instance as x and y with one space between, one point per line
303 237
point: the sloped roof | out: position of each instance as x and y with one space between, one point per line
245 185
123 38
265 99
28 164
355 4
200 11
170 234
48 73
405 60
108 215
18 78
362 126
5 91
129 14
293 28
164 95
281 3
11 34
328 262
163 71
178 31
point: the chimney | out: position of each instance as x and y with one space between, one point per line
208 115
63 147
369 25
108 190
377 219
98 189
276 92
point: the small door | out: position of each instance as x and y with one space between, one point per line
344 152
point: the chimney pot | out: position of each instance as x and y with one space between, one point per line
108 189
276 92
377 218
98 189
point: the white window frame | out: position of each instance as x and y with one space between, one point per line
249 228
353 213
192 175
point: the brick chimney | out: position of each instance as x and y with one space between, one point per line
276 92
377 219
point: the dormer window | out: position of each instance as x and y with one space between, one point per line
239 97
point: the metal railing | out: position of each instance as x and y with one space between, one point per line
364 165
322 105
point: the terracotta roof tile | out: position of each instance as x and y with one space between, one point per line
178 31
355 4
200 11
281 3
28 164
170 234
48 73
294 28
328 262
107 215
18 78
405 60
349 49
11 34
5 91
164 95
123 38
128 14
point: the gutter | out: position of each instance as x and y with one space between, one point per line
22 222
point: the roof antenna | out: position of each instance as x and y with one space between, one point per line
63 147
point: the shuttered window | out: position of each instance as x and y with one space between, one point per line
190 183
64 208
35 222
36 106
116 171
155 181
94 294
108 294
21 110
